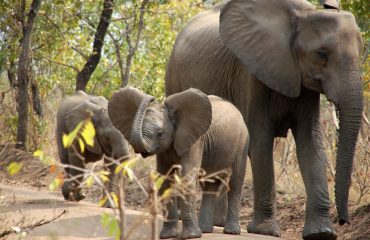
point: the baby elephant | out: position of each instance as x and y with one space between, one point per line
108 140
193 130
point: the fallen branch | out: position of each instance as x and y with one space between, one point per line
34 225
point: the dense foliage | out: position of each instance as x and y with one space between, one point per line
63 35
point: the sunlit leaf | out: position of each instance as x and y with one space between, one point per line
102 201
88 133
118 169
128 172
89 181
159 181
104 178
70 137
167 193
82 145
115 198
55 184
14 168
177 178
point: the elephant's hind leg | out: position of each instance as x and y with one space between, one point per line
208 207
71 189
236 184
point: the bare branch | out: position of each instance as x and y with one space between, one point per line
132 49
32 226
60 63
80 52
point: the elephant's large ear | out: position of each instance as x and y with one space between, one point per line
122 108
193 115
81 113
259 33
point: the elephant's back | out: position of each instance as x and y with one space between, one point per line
227 118
226 138
199 58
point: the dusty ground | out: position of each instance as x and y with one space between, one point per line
290 210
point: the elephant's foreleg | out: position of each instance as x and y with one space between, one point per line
312 162
112 184
71 189
260 153
190 162
171 217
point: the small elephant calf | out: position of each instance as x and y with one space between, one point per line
108 141
193 130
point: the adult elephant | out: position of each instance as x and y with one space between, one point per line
272 59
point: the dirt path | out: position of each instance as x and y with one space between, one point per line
77 220
31 184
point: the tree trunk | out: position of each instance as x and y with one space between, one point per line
23 79
36 101
84 75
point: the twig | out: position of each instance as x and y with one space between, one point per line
132 49
121 207
32 226
61 64
365 119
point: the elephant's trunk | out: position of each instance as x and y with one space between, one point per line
350 107
119 146
136 132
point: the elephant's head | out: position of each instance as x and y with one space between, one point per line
108 139
288 44
152 127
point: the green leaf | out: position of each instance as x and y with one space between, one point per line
46 160
14 168
111 224
159 181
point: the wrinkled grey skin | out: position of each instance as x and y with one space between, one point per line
272 59
195 131
108 142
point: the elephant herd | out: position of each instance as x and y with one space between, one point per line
240 74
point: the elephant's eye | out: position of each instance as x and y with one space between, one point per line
323 55
159 134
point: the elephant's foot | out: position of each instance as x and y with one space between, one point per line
318 228
206 226
170 230
232 227
265 227
194 232
219 221
71 193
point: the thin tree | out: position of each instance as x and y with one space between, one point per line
23 67
84 75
